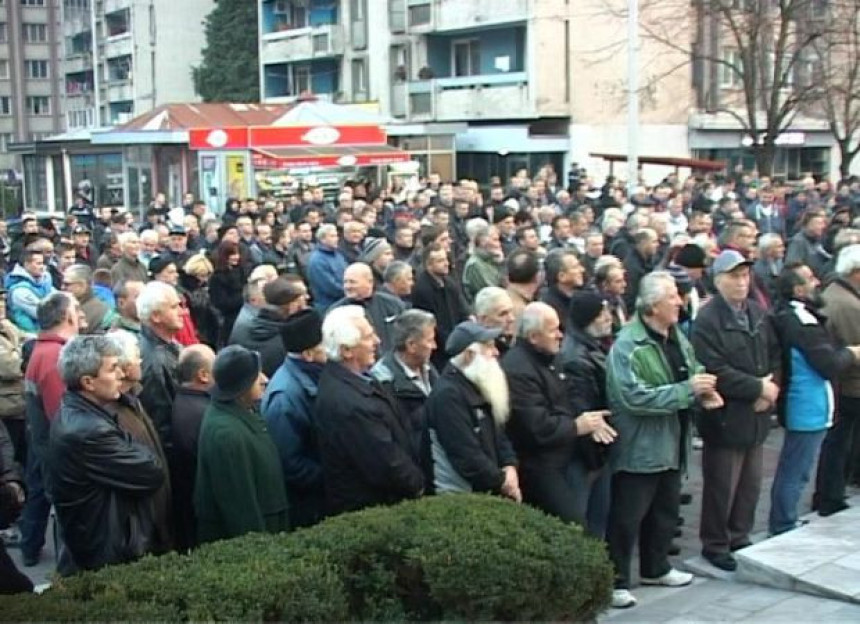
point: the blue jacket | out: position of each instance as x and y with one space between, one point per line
810 361
287 407
24 295
325 276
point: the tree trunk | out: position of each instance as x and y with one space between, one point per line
846 156
764 155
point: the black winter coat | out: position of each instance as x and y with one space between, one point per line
447 303
541 426
188 409
461 423
367 454
739 357
225 292
560 302
637 267
381 310
583 361
101 483
263 334
159 382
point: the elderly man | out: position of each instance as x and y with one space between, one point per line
564 276
494 309
26 285
381 309
812 362
288 407
806 246
769 263
735 341
160 313
653 380
377 254
326 266
368 456
129 266
78 281
194 379
641 260
841 301
398 281
409 377
126 294
467 412
99 475
149 247
524 278
543 428
484 266
59 317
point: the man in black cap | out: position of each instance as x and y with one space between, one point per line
583 360
239 486
288 407
466 414
368 456
177 246
85 252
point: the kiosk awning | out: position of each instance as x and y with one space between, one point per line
327 156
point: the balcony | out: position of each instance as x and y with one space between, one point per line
469 98
119 45
76 63
120 91
303 44
450 15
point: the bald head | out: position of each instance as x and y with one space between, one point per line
358 281
194 368
539 325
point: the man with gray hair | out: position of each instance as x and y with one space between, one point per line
398 281
543 428
842 308
409 377
653 380
126 294
326 266
640 260
495 309
466 415
78 280
368 455
102 480
769 262
160 314
129 267
486 263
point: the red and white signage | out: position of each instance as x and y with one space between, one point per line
315 136
218 138
262 160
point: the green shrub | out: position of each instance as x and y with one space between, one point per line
454 557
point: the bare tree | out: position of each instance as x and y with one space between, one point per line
749 58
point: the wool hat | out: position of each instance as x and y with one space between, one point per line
235 370
302 330
682 279
585 306
158 263
373 249
468 333
502 212
691 256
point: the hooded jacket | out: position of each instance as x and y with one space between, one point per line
11 375
263 334
24 294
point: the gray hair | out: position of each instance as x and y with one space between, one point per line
53 309
82 357
151 298
848 260
126 237
845 237
325 229
477 227
339 330
394 270
532 319
149 235
127 342
653 288
488 298
79 272
767 241
410 325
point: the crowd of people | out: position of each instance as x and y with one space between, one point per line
196 377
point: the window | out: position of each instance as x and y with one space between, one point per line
33 2
5 105
359 80
466 57
4 69
36 69
730 69
77 4
301 80
419 15
35 33
38 105
2 32
357 10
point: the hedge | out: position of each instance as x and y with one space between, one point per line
453 557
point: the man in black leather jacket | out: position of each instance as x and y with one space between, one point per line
101 480
12 581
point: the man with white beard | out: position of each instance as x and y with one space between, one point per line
466 414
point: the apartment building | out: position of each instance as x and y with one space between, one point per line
30 73
124 57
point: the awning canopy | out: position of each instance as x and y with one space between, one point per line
668 161
339 156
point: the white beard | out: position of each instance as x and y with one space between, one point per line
487 374
595 331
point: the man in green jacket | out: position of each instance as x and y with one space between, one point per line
653 381
240 485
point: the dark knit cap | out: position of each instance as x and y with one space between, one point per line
585 306
691 256
682 279
158 263
302 330
235 371
373 248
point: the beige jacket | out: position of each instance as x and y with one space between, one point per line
11 376
842 308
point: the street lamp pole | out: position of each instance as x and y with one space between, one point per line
632 95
